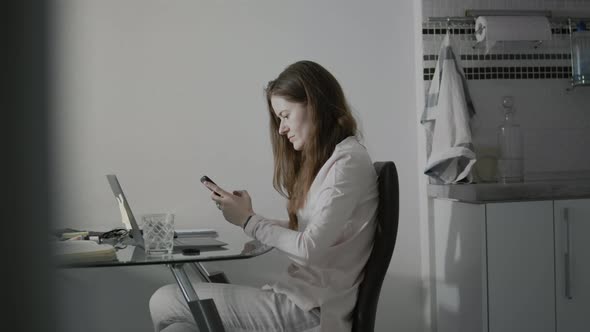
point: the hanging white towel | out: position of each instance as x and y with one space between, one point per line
446 119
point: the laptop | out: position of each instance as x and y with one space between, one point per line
180 244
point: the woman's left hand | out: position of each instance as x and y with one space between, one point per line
236 207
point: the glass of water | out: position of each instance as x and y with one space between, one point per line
158 233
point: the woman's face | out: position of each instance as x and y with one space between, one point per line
294 119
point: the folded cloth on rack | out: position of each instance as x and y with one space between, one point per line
446 119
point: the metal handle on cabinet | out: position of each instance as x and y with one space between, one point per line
567 256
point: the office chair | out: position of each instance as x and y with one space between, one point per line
363 318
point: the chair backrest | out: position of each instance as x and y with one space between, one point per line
383 244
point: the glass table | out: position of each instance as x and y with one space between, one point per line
239 246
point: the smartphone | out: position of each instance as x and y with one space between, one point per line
206 178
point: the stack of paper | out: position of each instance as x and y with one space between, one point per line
78 251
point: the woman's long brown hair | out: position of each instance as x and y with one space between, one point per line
308 83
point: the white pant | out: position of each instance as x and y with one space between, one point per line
241 308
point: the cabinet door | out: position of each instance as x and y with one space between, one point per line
459 271
572 263
521 283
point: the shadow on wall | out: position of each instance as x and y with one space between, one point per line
396 308
107 299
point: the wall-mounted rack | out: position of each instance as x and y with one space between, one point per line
557 62
471 15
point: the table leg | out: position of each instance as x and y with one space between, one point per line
204 311
202 271
215 277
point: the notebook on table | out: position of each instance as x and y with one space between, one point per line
180 243
81 251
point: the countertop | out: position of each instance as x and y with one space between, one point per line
524 191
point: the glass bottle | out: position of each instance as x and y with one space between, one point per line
581 55
510 144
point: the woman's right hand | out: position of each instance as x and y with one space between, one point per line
236 206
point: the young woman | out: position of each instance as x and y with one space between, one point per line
331 186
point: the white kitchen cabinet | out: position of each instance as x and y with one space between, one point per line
521 282
460 267
572 263
497 266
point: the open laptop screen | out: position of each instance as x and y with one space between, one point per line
129 222
198 242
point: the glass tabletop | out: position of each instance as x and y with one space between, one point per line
239 246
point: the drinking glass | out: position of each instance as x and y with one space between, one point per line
158 233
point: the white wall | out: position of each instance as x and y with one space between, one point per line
164 92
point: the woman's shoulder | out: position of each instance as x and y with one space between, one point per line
351 146
349 162
351 153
